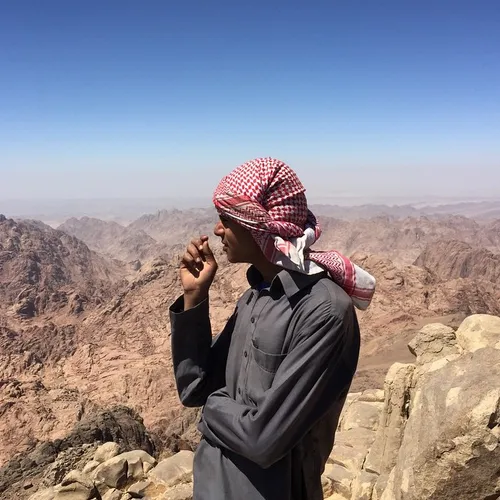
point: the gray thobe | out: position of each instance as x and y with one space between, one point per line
272 384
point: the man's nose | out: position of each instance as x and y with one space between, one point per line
219 229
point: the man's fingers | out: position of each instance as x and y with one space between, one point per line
197 252
194 250
187 260
197 242
207 252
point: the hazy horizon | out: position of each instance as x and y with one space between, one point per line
416 183
55 212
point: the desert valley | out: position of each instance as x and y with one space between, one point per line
84 329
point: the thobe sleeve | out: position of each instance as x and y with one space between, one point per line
199 361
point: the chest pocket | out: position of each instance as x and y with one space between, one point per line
266 361
262 369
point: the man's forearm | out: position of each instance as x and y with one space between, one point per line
199 362
191 340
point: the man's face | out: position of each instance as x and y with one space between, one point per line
238 242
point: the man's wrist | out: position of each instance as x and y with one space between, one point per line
192 299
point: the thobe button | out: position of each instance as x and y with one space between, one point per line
245 354
239 391
253 320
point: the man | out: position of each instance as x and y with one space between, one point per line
274 381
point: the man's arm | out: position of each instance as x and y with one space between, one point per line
199 362
313 375
199 366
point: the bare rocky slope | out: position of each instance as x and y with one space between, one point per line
150 236
49 462
124 211
175 226
70 358
408 297
456 259
44 270
112 239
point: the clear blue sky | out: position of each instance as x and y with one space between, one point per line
113 98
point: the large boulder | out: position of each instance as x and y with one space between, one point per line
75 476
179 492
90 467
351 398
433 343
450 449
362 486
479 330
112 473
341 479
74 491
126 468
75 486
139 489
112 494
372 396
383 453
355 438
174 470
348 457
362 414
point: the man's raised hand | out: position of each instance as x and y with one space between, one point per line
197 271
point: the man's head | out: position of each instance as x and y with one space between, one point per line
265 218
259 198
265 196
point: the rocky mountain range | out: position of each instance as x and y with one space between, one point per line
124 211
81 330
400 239
485 210
175 226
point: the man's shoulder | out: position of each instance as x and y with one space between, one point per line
325 302
326 294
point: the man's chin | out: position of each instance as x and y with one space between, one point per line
232 259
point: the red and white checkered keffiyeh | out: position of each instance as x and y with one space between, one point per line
265 196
